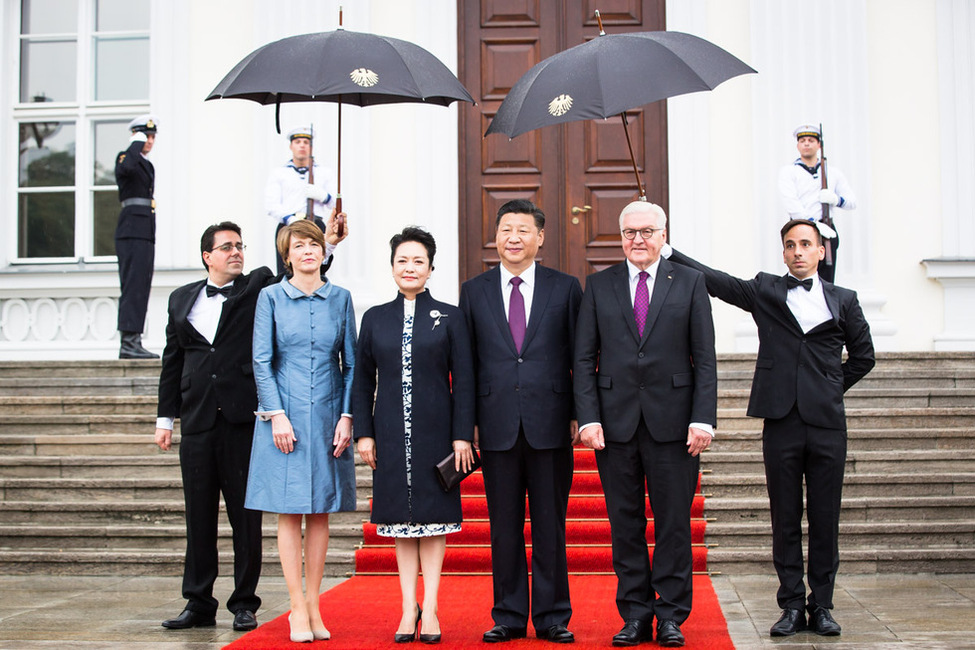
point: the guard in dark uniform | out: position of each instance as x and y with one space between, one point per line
135 236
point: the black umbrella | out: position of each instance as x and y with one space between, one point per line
343 67
610 75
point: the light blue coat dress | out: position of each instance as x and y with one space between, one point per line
304 355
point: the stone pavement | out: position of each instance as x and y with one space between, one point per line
886 611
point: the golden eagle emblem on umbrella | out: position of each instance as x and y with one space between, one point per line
364 77
560 105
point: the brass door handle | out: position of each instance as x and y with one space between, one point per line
577 209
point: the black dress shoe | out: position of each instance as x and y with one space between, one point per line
500 633
669 634
791 621
189 619
556 634
634 632
245 620
821 622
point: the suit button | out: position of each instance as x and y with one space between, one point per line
213 376
520 360
517 387
641 355
213 349
641 386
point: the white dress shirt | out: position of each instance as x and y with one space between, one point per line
204 316
527 289
809 307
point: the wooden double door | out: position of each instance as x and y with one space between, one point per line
578 173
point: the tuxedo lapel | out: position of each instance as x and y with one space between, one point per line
661 287
781 288
832 300
181 311
495 303
240 285
541 294
621 286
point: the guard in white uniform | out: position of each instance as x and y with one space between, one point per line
800 187
288 190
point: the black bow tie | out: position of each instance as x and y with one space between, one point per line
795 282
212 290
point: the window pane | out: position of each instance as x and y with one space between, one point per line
49 17
121 15
110 139
121 68
47 154
48 71
46 225
106 217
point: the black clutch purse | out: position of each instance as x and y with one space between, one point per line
449 476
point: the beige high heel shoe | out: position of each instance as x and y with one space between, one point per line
300 637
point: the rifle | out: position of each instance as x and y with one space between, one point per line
310 204
826 218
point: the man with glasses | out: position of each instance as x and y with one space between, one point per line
645 383
207 381
135 236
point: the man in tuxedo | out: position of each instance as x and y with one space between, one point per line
800 377
522 318
645 384
207 381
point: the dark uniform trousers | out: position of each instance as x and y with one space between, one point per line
135 264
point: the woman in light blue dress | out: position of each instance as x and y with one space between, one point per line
301 467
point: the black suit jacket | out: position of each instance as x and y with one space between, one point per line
532 388
794 368
669 375
198 377
136 179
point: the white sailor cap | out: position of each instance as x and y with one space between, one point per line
145 123
807 129
299 132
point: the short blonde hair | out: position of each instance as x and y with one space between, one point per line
645 206
303 228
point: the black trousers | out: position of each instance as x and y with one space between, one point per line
135 263
664 470
545 475
828 271
215 462
281 268
793 451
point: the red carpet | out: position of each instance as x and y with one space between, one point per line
364 611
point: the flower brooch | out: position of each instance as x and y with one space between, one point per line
436 316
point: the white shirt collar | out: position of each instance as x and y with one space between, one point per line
527 276
634 272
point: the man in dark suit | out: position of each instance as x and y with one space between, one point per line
135 236
800 377
645 383
207 381
522 321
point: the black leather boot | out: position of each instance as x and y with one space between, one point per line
131 347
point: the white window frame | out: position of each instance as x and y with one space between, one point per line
84 113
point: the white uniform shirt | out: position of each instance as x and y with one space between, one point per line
800 190
284 194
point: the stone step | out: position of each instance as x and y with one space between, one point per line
915 534
916 362
77 424
861 398
340 562
75 405
857 461
921 484
156 465
946 559
55 385
91 490
879 378
86 444
862 439
145 513
737 509
871 418
81 369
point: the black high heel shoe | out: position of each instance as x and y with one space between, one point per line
407 638
430 638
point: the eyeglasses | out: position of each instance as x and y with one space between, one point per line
646 233
228 247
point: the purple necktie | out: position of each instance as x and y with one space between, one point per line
516 313
641 302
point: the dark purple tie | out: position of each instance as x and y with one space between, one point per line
641 302
516 313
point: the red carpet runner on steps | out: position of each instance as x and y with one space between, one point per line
363 612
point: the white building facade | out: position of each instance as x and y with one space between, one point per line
892 81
